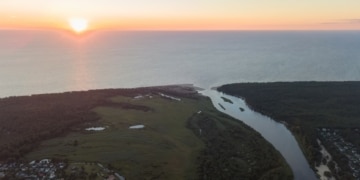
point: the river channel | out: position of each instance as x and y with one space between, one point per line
274 132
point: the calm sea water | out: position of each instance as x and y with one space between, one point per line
34 62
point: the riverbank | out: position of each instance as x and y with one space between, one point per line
307 108
174 141
275 133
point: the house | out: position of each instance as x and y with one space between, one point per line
111 177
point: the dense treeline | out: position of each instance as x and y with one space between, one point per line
28 120
312 103
234 151
306 106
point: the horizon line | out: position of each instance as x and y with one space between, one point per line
167 30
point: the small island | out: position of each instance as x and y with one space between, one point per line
226 100
164 132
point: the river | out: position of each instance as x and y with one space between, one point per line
274 132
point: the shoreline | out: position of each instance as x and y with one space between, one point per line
182 88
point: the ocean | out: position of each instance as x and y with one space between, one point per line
34 61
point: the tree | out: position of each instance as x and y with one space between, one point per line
76 143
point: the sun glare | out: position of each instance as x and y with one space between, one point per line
78 25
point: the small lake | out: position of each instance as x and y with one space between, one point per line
274 132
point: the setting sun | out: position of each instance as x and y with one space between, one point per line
179 15
78 25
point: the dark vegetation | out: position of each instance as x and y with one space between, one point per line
226 100
235 151
306 107
222 106
28 120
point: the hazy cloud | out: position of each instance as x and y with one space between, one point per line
344 21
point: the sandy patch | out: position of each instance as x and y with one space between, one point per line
140 126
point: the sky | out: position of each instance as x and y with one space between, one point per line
183 14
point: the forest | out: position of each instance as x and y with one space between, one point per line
234 150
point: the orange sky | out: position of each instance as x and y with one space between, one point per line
184 14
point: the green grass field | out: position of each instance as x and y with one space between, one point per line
165 147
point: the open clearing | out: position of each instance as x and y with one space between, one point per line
163 148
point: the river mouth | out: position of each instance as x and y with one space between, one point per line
274 132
